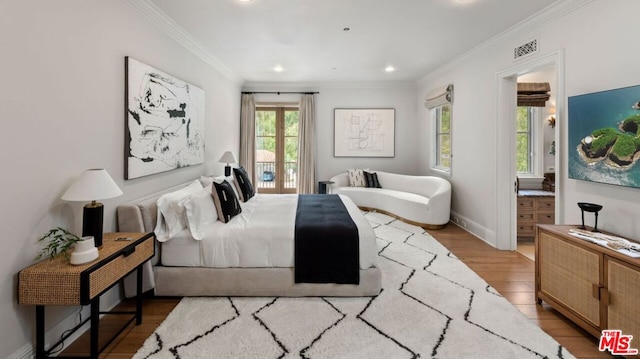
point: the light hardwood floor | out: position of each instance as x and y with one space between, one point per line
526 247
511 273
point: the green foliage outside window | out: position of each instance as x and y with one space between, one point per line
291 136
443 123
266 133
523 140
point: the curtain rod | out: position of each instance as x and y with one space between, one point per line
279 92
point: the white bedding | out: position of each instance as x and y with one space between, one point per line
261 236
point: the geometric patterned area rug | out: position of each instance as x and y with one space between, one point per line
431 306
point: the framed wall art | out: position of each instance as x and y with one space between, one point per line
367 132
164 121
604 137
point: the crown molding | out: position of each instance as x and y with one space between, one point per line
325 85
535 21
168 25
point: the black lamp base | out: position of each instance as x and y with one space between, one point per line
227 171
92 219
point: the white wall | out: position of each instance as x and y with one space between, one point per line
596 39
398 95
62 102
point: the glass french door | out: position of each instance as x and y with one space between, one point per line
276 149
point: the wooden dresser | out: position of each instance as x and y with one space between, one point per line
533 209
594 286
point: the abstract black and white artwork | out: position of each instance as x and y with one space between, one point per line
164 122
364 132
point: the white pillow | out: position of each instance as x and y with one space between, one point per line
206 180
161 231
171 217
201 212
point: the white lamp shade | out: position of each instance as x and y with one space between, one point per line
92 185
227 157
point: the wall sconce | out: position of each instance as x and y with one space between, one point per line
227 158
551 121
92 185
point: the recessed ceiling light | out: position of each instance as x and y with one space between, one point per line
278 68
389 68
245 0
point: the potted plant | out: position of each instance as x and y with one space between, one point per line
60 240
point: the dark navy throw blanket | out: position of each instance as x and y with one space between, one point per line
326 241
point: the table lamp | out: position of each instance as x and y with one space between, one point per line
92 185
227 158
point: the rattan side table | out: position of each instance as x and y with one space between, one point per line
56 282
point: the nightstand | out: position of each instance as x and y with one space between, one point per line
324 187
56 282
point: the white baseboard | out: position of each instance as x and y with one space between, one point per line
107 302
26 352
483 233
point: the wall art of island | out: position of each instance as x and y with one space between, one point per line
604 137
164 127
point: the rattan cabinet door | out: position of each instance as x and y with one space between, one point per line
568 274
623 284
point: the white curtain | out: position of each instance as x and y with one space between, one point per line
306 145
248 135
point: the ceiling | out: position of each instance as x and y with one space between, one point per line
310 42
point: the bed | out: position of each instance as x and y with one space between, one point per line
241 257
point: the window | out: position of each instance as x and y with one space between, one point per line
524 140
442 152
276 149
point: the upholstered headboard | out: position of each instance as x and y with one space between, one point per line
141 214
138 217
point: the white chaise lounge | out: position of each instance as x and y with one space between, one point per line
421 200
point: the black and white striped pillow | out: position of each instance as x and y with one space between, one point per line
372 179
227 204
356 178
243 184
